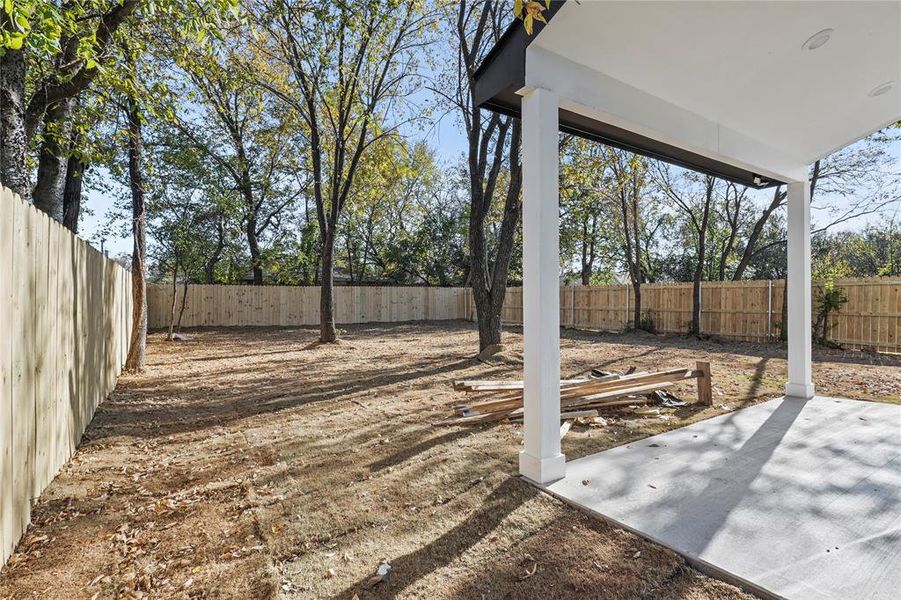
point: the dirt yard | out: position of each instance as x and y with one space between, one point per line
256 464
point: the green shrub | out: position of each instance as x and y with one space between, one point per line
829 301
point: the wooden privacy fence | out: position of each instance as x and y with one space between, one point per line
742 310
65 321
239 305
738 310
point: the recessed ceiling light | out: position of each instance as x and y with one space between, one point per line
817 40
882 88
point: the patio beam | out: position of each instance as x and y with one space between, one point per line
800 312
662 125
541 459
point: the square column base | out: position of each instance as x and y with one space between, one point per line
804 391
542 470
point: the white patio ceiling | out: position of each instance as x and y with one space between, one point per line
734 81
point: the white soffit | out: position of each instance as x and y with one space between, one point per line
744 65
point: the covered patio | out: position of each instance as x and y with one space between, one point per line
754 93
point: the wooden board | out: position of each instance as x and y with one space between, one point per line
44 399
8 519
23 363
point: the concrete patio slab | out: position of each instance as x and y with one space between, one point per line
790 499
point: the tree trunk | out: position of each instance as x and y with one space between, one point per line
481 294
488 300
250 230
636 293
137 349
586 261
634 228
350 259
756 231
696 303
209 268
702 258
489 328
53 160
184 303
783 329
174 299
13 144
635 275
253 243
489 335
327 331
72 193
696 286
488 312
489 282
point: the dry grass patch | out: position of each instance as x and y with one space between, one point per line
254 464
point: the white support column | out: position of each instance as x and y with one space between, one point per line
540 459
800 372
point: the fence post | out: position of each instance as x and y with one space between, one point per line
769 310
626 312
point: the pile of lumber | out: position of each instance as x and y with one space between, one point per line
501 400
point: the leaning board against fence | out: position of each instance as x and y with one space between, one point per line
65 322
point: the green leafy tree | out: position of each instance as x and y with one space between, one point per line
184 225
344 70
873 252
58 50
391 197
694 196
51 53
637 218
586 210
235 122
